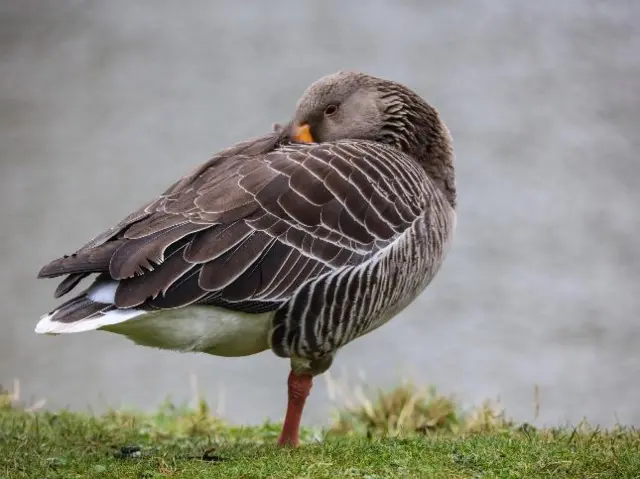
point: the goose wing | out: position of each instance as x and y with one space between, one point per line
255 223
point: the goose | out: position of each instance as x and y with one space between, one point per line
298 241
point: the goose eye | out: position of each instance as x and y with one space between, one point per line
330 110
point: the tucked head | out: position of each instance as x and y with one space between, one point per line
351 105
338 106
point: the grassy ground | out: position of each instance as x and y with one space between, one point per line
404 433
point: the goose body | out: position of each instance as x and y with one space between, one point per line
299 241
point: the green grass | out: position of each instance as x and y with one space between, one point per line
403 433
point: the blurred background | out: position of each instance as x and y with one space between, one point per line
104 104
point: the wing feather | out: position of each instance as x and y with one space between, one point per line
250 227
207 245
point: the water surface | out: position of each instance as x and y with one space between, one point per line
104 104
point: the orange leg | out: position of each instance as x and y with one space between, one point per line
299 388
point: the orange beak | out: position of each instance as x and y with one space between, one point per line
303 133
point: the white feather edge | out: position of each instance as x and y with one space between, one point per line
100 293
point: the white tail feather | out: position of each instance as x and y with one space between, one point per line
46 326
103 292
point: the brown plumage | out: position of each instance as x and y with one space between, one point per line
237 214
312 235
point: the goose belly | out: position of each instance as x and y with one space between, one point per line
205 329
